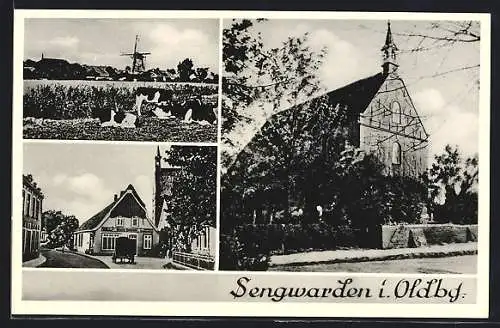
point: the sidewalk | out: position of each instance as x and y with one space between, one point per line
364 255
35 262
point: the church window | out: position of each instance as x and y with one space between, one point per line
396 153
396 112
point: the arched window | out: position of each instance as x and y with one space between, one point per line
396 153
396 112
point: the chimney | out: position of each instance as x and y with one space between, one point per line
116 197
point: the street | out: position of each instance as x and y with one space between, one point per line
456 264
58 259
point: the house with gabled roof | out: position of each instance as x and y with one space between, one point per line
126 216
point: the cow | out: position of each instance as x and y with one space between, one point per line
192 110
121 119
151 95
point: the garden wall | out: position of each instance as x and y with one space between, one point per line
416 235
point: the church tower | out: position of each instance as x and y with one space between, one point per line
389 53
157 186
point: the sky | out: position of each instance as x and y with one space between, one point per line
101 41
81 179
448 104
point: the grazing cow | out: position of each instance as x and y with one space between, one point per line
191 110
122 119
151 95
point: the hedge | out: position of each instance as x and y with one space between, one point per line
250 246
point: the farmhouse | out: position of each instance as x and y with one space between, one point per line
166 176
32 217
124 216
376 114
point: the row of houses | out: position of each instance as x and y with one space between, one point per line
61 69
32 203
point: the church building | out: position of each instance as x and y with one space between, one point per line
377 115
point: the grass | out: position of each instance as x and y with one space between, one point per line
152 129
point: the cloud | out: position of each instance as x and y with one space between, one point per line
80 195
64 41
343 63
170 45
86 184
447 123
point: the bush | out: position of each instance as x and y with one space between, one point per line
236 256
158 250
249 247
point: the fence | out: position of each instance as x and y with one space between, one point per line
194 261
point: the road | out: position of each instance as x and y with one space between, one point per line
466 264
58 259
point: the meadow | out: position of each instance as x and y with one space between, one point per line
69 110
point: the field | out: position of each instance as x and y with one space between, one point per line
69 110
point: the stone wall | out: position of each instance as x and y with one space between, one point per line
417 235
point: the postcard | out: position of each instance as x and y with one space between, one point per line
232 163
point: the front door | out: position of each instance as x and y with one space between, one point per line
133 236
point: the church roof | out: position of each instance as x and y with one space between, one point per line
357 95
95 220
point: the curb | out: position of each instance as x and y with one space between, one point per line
88 256
404 256
181 267
35 263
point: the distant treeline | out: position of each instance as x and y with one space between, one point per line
61 69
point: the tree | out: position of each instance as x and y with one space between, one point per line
193 201
447 35
255 75
60 228
185 69
202 73
453 184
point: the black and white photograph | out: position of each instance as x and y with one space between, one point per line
350 145
119 206
279 163
121 79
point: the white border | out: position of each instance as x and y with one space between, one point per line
478 310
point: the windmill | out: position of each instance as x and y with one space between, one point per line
138 58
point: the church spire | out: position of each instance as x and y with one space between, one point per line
158 157
389 51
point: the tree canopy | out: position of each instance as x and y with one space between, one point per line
193 201
255 75
60 228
